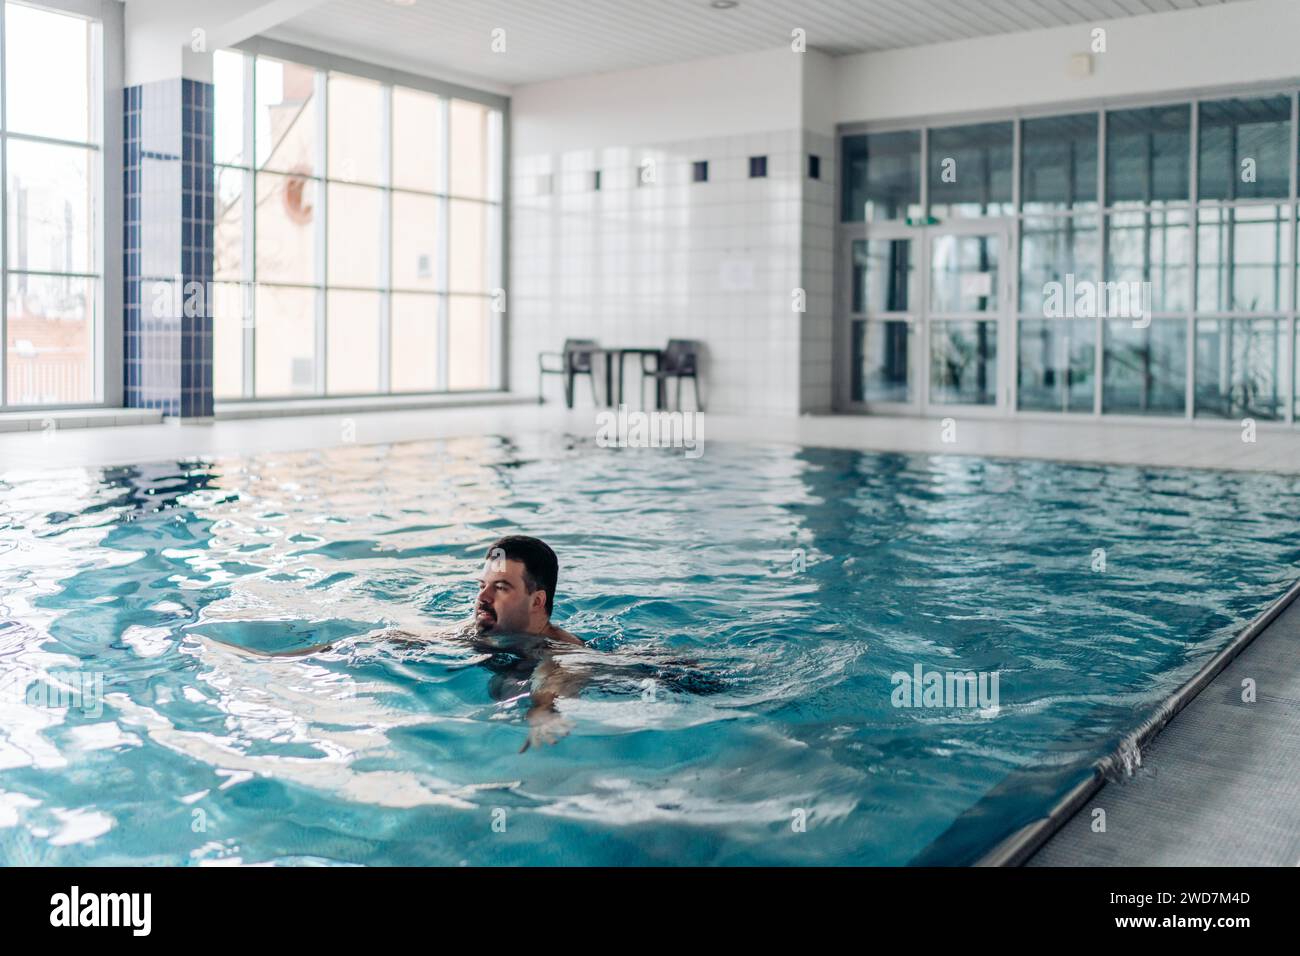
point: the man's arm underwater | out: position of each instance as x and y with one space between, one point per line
551 681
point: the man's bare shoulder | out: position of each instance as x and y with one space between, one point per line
560 634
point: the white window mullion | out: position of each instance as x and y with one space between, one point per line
4 219
322 232
1194 217
1009 333
1103 246
248 265
443 273
1292 239
386 240
98 340
495 252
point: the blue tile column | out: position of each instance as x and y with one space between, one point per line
167 227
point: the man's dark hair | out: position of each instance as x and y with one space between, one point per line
541 566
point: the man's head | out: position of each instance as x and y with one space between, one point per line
516 591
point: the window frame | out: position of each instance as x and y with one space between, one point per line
496 202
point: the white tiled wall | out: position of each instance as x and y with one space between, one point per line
637 264
817 249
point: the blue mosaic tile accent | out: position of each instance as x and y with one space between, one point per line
168 186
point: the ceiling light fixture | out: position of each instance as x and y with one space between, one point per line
724 4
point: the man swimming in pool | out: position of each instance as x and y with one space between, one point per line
512 622
527 654
512 616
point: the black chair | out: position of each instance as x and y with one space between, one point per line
575 360
680 360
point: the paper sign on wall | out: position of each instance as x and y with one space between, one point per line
736 275
974 284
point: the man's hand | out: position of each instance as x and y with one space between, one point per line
546 725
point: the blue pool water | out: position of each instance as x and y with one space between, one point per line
747 610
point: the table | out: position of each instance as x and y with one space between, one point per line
621 353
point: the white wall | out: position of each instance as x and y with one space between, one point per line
719 96
819 99
639 264
817 240
1215 46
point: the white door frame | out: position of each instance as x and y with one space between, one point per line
1003 315
919 316
878 232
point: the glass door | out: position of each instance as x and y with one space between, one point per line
926 323
882 305
967 318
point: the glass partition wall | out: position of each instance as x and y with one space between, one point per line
1136 261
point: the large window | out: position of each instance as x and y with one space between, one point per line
358 234
1060 243
52 168
970 170
882 176
1244 258
1178 221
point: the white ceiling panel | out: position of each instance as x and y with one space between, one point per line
548 39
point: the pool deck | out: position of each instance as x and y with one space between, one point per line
1218 786
1168 443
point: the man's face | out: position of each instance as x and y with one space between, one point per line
504 604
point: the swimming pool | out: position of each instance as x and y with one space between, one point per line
798 581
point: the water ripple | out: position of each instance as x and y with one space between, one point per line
747 613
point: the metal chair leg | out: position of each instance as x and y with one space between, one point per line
568 389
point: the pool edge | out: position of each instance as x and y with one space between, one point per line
1015 849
